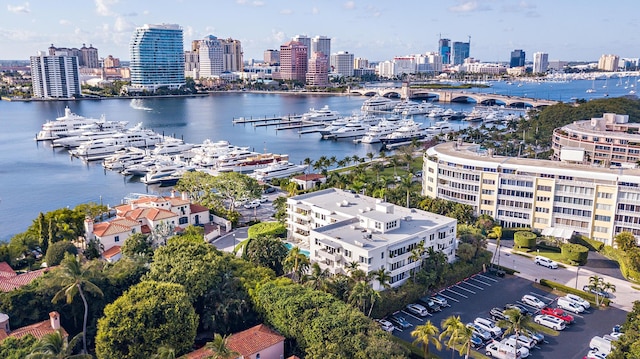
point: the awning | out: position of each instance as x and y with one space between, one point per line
558 232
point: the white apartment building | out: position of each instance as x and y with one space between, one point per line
342 227
386 69
608 62
544 195
540 62
210 56
55 76
342 63
404 65
320 44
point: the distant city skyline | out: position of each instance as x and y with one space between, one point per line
369 29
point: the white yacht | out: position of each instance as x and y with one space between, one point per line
171 146
378 103
322 115
439 127
142 138
436 111
77 140
351 129
161 172
402 106
97 149
121 159
61 125
406 133
250 164
418 109
334 125
101 125
382 129
277 170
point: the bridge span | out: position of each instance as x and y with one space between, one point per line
407 92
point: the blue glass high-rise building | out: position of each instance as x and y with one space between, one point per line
517 58
444 47
460 52
157 57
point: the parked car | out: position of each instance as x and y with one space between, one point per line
270 190
594 354
568 304
521 308
417 309
537 336
497 314
431 306
595 291
533 301
440 300
483 334
476 341
239 202
385 325
600 344
252 204
545 262
488 325
399 321
497 350
578 299
524 340
523 351
264 199
550 322
558 313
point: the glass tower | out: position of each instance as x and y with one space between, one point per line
157 58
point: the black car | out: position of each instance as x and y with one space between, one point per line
595 291
497 314
428 303
521 308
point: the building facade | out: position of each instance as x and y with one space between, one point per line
540 62
272 57
342 227
87 56
55 76
293 61
460 51
360 63
608 62
342 63
306 41
110 62
606 141
232 55
444 48
320 44
157 57
517 58
210 57
541 194
318 71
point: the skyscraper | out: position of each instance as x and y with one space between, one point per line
444 47
157 57
608 62
540 62
342 63
272 57
55 76
517 58
232 55
318 72
321 44
460 52
306 41
210 57
87 56
293 61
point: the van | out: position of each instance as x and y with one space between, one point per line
600 344
545 262
569 305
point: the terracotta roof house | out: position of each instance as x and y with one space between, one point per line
112 254
309 181
10 280
38 330
259 342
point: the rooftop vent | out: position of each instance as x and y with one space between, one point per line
407 218
358 243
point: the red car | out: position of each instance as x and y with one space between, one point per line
558 313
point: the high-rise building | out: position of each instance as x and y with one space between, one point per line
55 76
360 63
460 51
444 47
232 55
608 62
87 56
191 64
318 72
540 62
342 63
157 57
517 58
321 44
306 41
111 62
271 57
210 57
293 61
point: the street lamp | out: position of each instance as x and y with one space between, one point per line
577 271
234 245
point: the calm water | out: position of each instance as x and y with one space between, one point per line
37 178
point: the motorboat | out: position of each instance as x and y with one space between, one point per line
378 103
121 159
61 125
436 111
405 133
97 149
161 172
141 138
322 115
171 146
334 125
402 106
250 164
78 139
383 128
277 170
101 125
418 109
351 129
439 127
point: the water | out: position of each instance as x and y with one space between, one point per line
37 178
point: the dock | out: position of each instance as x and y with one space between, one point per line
245 120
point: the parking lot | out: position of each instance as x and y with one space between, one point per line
476 296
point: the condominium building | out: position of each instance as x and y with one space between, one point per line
55 76
293 61
87 56
210 57
272 57
544 195
517 58
341 228
232 55
461 50
320 44
444 48
608 62
306 41
540 62
606 141
111 62
360 63
157 57
318 71
342 63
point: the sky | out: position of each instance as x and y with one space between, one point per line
572 30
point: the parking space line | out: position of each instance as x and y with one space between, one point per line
535 309
448 297
460 294
541 296
465 289
413 316
485 277
477 280
398 329
473 285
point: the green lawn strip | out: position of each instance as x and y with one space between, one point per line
555 256
544 330
561 289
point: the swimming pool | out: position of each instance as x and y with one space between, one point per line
303 251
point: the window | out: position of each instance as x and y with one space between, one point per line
605 195
347 253
116 239
488 181
599 217
544 188
183 220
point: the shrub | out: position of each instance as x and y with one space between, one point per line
508 233
525 239
592 244
575 253
267 229
566 289
55 253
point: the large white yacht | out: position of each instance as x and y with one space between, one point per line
97 149
277 170
252 163
406 133
77 140
439 127
418 109
121 159
61 125
322 115
171 146
351 129
378 103
382 129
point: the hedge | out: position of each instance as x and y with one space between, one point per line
591 298
268 229
575 253
508 233
592 244
525 239
621 258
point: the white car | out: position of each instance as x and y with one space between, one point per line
385 325
594 354
497 350
550 322
569 305
488 325
578 299
525 341
253 204
523 351
417 309
545 262
533 301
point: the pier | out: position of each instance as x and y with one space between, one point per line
289 122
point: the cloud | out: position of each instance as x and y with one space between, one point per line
241 2
65 22
315 10
257 3
19 8
468 6
122 25
286 11
103 7
145 12
278 36
349 5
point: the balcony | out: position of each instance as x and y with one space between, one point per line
324 254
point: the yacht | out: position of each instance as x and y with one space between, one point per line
439 127
382 129
141 138
352 129
101 125
171 146
378 103
334 125
162 172
250 164
405 133
436 111
322 115
418 109
61 125
97 149
403 105
121 159
277 170
77 140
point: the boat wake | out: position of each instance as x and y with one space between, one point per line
137 104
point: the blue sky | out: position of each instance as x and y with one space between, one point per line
376 30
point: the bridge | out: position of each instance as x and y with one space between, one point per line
407 92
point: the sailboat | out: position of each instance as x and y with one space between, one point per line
593 86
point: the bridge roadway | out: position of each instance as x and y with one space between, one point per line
407 92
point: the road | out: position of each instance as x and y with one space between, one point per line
574 277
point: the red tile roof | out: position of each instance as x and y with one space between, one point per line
38 330
111 252
6 271
118 225
20 280
195 208
309 177
254 340
202 353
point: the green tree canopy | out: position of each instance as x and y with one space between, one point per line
57 251
267 252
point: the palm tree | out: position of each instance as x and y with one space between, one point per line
377 168
164 352
75 279
395 162
55 346
608 287
466 334
416 255
425 335
406 184
497 233
360 295
317 278
515 323
383 277
370 156
219 347
452 329
297 263
308 161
